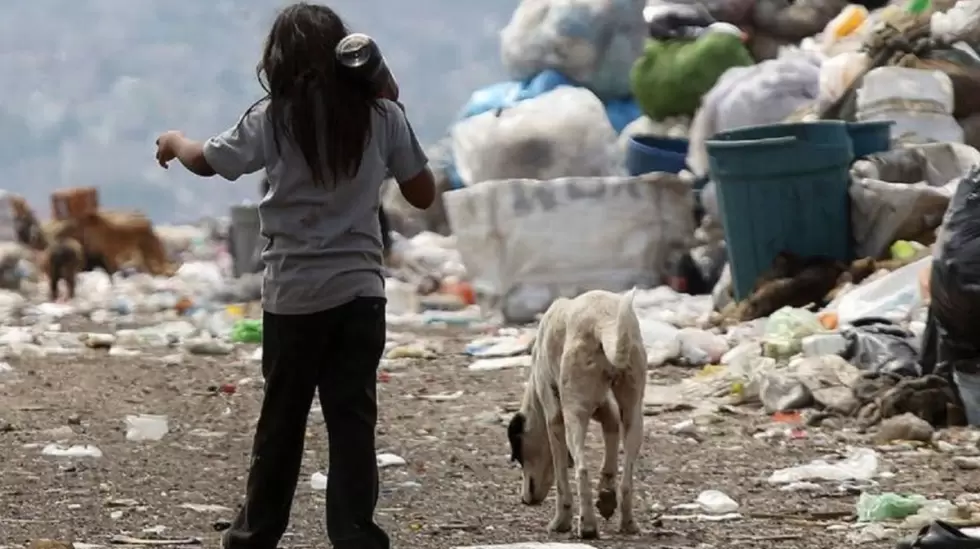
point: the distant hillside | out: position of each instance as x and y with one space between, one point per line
87 85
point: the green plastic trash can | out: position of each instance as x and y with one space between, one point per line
782 187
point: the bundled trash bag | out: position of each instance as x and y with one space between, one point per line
881 346
955 280
593 42
562 133
672 75
903 193
507 94
748 96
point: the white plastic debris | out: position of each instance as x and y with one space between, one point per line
390 460
146 427
716 502
205 508
504 363
531 545
442 397
77 451
861 464
505 346
318 481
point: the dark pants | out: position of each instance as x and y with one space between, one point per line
336 351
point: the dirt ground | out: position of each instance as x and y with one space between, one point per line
457 489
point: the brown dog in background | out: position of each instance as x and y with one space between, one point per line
63 260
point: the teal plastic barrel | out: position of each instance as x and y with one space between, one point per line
781 188
870 137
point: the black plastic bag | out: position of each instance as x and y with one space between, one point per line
879 346
955 282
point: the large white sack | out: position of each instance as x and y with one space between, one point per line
593 42
527 242
562 133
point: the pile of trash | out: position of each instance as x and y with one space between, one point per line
621 155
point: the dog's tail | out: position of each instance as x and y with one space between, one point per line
620 334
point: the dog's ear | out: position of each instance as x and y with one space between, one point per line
515 434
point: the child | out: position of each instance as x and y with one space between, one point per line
326 143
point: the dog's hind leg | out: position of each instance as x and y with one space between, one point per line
629 396
608 416
576 429
562 522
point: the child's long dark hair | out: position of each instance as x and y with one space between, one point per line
324 112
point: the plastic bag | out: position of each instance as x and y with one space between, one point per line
838 73
892 296
672 75
621 112
593 42
960 22
748 96
562 133
675 20
877 345
903 193
955 279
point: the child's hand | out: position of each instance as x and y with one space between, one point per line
167 145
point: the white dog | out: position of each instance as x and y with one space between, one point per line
588 362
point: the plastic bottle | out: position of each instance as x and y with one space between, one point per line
847 21
361 54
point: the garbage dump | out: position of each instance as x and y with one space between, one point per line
790 188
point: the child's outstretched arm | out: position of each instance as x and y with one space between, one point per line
231 154
174 145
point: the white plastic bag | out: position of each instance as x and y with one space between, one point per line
960 22
748 96
562 133
892 296
839 72
593 42
565 236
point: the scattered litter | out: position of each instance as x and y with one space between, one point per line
205 508
715 502
861 464
77 451
128 540
441 397
390 460
318 481
146 427
500 346
504 363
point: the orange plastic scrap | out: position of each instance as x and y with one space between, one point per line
828 320
925 276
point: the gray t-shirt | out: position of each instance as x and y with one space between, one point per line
324 243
